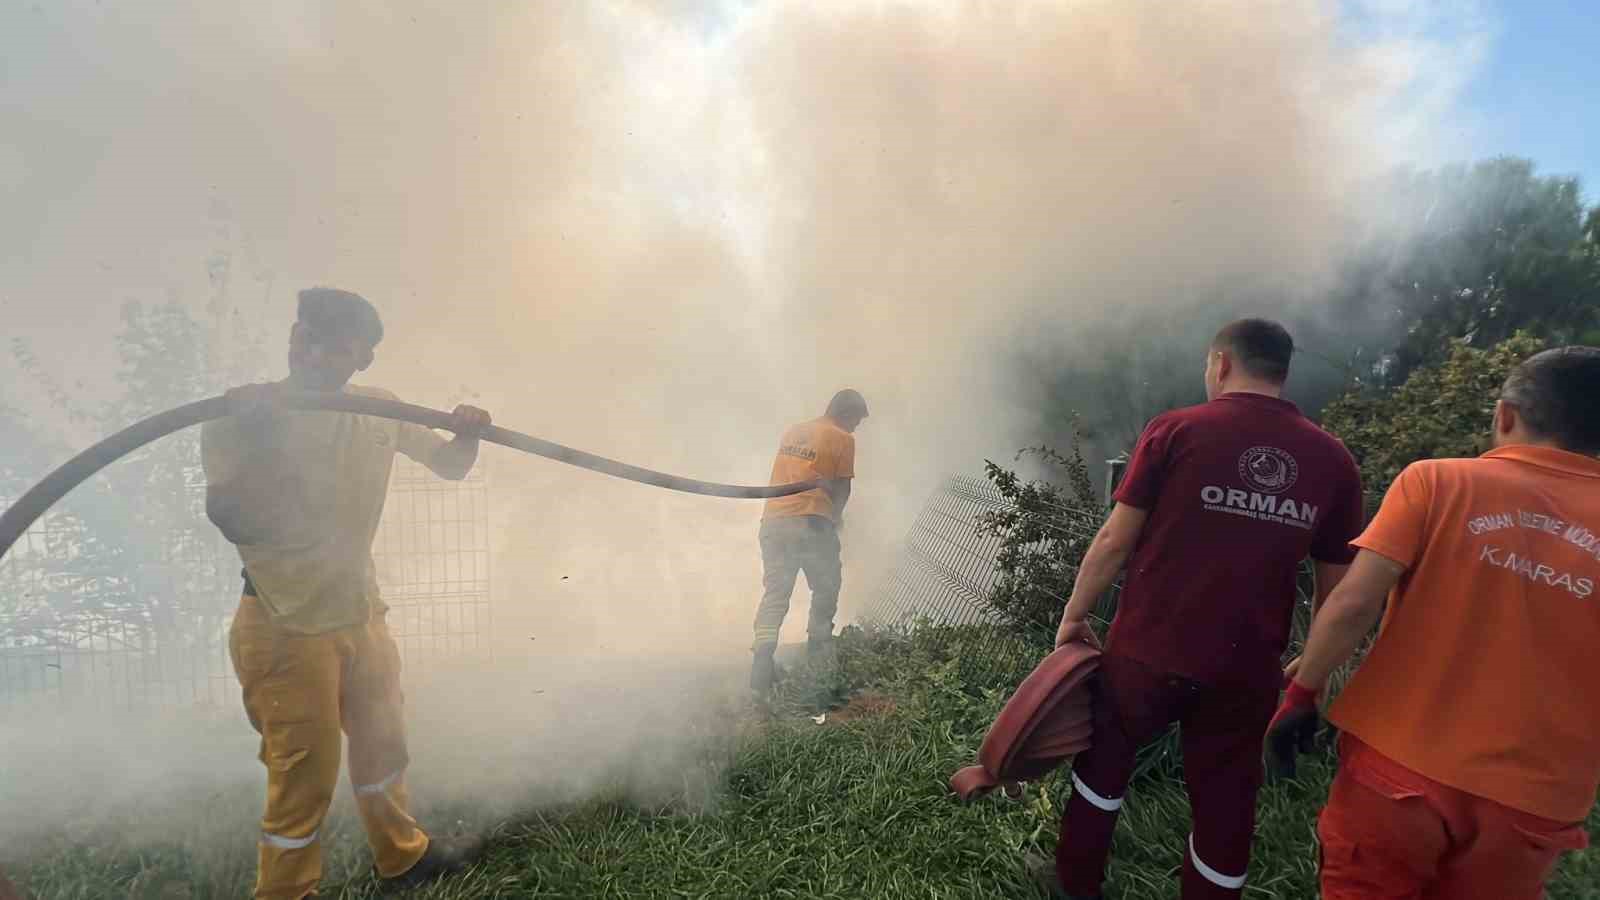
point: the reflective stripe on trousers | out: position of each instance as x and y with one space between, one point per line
1104 804
389 781
1228 882
287 843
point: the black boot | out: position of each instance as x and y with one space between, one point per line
818 648
444 856
763 673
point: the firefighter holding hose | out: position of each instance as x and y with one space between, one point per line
1219 505
800 532
300 494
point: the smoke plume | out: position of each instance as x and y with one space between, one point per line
663 231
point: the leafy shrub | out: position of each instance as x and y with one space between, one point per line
1439 411
1044 530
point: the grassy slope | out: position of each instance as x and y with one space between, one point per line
858 809
861 810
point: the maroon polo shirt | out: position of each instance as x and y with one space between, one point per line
1238 490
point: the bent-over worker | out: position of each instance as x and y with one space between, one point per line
800 532
300 494
1220 504
1469 752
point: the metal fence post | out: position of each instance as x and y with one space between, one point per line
1115 467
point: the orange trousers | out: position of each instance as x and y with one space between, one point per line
1389 833
299 691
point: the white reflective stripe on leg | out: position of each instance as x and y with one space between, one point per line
1108 805
288 843
380 787
1231 882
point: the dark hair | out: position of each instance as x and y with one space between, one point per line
1558 394
847 402
1261 347
341 314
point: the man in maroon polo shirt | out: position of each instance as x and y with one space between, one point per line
1220 504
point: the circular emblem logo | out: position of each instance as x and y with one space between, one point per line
1268 470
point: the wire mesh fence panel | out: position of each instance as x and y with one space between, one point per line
102 609
100 606
945 576
946 567
432 554
31 663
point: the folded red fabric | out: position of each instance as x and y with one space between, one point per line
1044 724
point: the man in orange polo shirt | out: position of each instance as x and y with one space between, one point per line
1470 753
800 532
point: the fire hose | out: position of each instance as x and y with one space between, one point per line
33 504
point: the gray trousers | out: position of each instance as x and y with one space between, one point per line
790 546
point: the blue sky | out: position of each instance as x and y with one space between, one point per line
1537 91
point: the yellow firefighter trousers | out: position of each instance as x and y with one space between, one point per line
299 690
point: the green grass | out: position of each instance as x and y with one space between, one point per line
848 810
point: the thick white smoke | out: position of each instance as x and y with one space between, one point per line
663 231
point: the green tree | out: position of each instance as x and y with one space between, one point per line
1441 410
123 555
1484 252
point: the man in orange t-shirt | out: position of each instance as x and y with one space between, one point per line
800 532
1470 753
